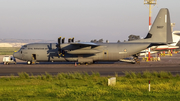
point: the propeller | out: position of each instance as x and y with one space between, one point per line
50 52
60 51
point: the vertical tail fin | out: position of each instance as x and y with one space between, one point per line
161 28
160 32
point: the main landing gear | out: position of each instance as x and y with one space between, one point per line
33 61
85 63
136 59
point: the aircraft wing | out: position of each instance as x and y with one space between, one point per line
80 45
85 44
82 48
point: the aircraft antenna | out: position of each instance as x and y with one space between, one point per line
172 25
151 4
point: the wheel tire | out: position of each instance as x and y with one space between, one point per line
133 62
29 62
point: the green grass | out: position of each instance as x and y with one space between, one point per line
8 50
82 86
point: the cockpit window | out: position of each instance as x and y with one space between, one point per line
23 47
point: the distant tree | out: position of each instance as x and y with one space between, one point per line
133 37
100 40
107 41
118 41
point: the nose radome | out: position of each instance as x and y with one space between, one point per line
15 55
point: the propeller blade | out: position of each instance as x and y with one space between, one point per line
72 40
69 40
63 40
59 45
59 42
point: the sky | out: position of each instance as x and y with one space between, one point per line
83 19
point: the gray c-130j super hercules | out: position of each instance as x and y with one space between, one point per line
159 34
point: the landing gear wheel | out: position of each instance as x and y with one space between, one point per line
133 62
29 62
136 60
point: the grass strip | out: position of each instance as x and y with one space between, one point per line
78 86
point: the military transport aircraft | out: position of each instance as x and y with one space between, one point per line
160 34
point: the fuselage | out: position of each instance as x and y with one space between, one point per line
42 52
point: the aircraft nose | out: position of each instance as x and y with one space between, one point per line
15 55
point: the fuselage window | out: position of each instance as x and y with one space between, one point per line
30 48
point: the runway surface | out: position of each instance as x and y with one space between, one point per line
170 64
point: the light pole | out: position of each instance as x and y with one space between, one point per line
150 3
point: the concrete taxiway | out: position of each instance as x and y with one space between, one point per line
168 63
